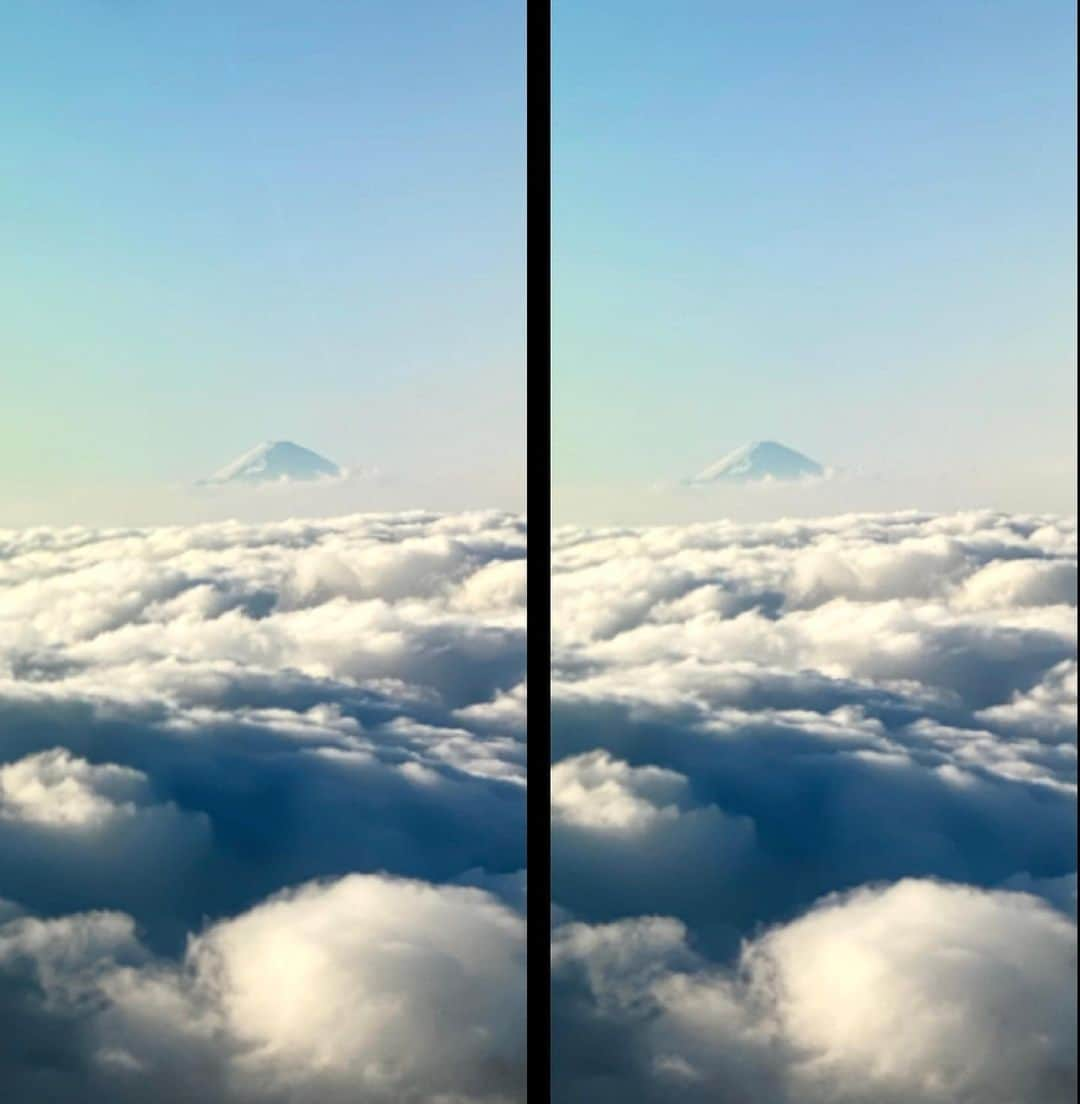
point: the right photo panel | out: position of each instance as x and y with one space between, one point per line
814 582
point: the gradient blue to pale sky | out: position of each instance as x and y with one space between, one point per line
227 222
847 226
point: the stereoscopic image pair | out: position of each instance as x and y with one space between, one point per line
748 776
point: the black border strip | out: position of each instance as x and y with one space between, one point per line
538 497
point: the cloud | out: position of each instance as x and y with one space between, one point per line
237 490
195 724
73 833
749 719
914 993
366 987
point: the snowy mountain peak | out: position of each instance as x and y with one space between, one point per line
276 462
761 461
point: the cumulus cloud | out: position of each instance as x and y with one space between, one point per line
915 993
367 988
195 723
749 720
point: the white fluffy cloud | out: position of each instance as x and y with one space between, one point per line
53 790
918 993
597 792
748 720
367 988
194 724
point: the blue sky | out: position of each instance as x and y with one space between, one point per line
223 223
846 226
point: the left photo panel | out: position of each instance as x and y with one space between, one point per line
262 553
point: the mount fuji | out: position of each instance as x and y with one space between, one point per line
277 462
760 462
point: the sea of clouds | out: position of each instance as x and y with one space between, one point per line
814 800
262 812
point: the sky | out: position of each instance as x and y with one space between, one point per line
227 223
848 227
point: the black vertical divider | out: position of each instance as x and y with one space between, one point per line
538 444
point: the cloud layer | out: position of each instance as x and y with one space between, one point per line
814 810
262 811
